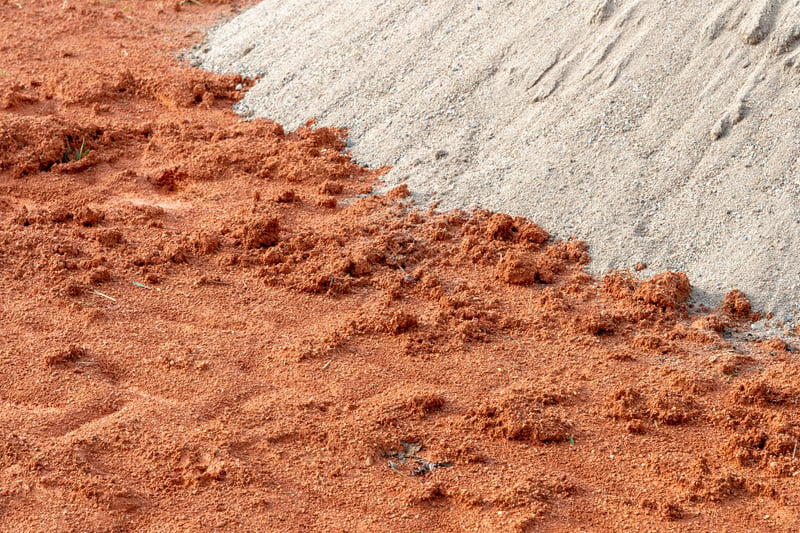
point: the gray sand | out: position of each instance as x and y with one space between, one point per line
659 131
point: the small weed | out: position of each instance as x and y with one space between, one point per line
80 153
77 154
571 441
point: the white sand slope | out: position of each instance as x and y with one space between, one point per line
660 131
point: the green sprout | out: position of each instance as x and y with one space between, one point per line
80 153
77 154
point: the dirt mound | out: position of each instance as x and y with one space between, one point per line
209 324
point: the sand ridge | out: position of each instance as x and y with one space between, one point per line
659 133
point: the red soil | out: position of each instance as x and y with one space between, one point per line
207 325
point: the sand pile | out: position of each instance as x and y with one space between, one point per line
660 133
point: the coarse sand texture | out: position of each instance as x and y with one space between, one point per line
661 132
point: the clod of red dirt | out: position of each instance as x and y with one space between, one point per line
624 404
667 407
501 226
331 187
711 323
668 290
668 511
205 242
523 269
519 416
736 304
506 228
175 251
86 216
594 325
287 196
529 232
732 363
327 201
401 322
261 233
109 238
17 96
73 353
99 275
672 408
777 387
650 342
29 145
776 346
573 251
168 179
533 489
398 193
618 285
425 404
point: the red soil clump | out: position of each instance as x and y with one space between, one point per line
209 324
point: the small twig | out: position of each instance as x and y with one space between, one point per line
104 295
326 365
794 452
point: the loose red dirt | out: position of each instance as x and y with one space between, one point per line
210 324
